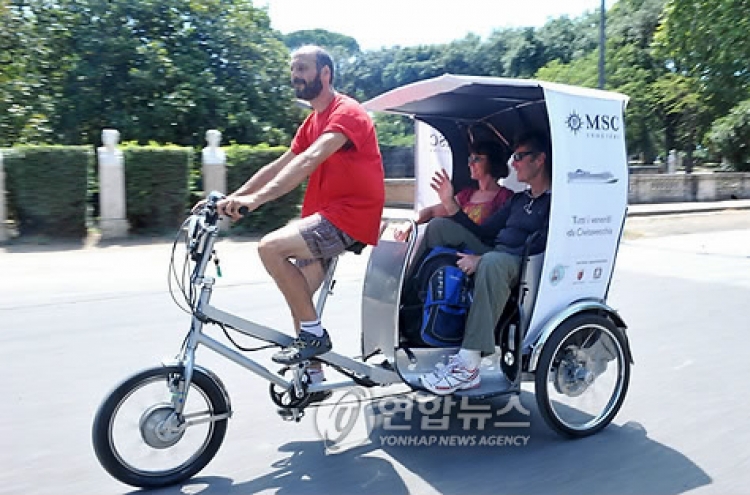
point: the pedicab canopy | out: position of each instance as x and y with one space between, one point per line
590 173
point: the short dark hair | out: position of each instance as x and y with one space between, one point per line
497 156
537 143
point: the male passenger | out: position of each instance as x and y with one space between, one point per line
499 242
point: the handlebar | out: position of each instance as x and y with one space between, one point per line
202 224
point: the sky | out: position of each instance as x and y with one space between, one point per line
383 23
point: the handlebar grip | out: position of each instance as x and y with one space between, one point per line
243 211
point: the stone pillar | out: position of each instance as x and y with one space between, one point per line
215 168
706 188
214 164
3 211
672 162
113 221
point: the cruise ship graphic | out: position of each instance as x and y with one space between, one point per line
581 175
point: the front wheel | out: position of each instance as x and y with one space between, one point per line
140 439
582 376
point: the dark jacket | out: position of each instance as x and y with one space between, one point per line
509 227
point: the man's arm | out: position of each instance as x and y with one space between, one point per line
301 166
287 178
264 175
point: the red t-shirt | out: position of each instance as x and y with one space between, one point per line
348 188
479 212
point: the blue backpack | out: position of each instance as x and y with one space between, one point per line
445 295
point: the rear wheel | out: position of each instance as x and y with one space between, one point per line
582 376
140 439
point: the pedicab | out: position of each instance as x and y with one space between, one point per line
557 332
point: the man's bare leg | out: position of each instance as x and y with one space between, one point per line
314 274
275 250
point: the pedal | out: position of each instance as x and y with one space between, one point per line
291 414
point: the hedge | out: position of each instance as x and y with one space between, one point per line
47 188
731 136
242 162
156 187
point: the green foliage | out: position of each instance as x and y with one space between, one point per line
163 70
242 163
565 39
634 22
25 55
156 187
580 72
730 136
680 101
394 130
708 39
630 69
321 37
47 189
167 70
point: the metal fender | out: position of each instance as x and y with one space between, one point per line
586 306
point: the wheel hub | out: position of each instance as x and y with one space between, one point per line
573 377
158 427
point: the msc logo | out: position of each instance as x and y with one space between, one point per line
593 123
574 122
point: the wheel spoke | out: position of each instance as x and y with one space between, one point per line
142 441
586 392
582 375
143 457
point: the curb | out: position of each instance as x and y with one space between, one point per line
634 210
643 210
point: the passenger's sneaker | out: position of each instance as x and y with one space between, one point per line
451 377
304 347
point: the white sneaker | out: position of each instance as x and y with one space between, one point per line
451 377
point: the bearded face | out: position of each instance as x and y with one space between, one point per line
305 90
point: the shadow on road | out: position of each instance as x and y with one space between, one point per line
620 460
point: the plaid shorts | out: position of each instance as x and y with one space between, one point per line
323 239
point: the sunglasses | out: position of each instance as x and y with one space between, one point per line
517 157
475 158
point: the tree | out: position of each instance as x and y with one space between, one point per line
321 37
730 136
634 22
565 39
162 70
25 61
630 68
680 102
708 39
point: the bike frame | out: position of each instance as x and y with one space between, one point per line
205 313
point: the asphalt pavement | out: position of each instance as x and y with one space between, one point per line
74 320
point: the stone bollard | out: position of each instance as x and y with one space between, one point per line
672 162
3 211
215 168
113 221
